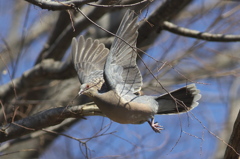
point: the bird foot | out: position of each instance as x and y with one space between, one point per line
157 128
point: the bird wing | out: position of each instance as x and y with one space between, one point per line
121 72
89 58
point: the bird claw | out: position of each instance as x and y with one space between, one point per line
157 128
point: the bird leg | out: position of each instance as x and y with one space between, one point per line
157 128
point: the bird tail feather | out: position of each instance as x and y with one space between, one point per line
180 100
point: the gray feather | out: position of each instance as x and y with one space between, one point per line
124 56
89 58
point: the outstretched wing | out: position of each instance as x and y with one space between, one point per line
121 72
89 58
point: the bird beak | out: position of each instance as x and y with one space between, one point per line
80 92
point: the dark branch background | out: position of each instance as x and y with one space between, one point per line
184 41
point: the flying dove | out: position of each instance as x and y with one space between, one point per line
112 79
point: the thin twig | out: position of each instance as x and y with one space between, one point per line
56 5
199 35
121 5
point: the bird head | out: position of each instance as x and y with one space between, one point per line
87 89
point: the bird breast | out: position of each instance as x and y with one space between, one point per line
122 111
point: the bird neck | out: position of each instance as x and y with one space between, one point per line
92 93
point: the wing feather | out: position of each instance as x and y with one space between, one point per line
89 58
124 56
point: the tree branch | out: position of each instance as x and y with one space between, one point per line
234 141
151 29
57 49
121 5
199 35
45 119
47 69
58 5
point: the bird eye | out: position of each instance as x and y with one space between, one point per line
87 86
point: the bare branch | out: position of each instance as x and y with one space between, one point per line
149 31
57 5
10 49
58 47
234 141
47 69
45 119
199 35
121 5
